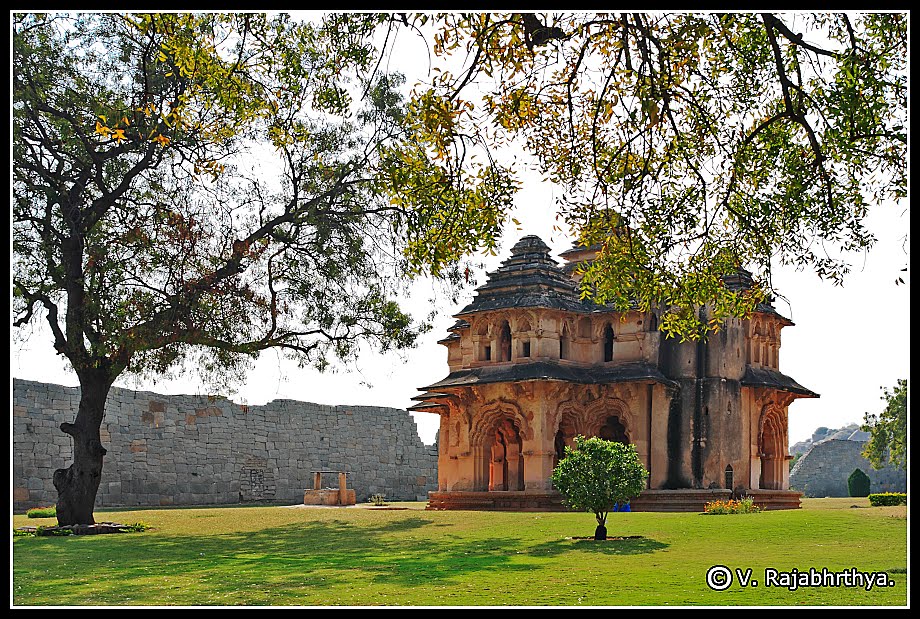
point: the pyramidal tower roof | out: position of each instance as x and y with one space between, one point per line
529 278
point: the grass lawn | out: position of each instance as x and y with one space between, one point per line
363 557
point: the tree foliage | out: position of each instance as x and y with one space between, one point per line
688 145
598 474
888 440
147 236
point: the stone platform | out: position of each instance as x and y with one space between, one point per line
684 500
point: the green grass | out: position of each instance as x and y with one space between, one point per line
363 557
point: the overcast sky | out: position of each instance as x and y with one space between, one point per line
847 341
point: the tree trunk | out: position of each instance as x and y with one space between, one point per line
78 484
600 533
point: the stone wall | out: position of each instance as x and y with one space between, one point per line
824 470
197 450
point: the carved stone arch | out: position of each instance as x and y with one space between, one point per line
524 321
598 412
498 318
757 328
481 325
490 417
772 445
569 418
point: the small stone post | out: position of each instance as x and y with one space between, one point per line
343 492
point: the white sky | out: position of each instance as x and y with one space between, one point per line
846 343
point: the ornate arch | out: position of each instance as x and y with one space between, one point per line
490 417
481 326
772 445
523 316
573 418
597 413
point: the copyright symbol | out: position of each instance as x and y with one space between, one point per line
719 578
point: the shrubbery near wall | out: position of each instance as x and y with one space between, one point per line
883 499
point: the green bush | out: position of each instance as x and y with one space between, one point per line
883 499
597 475
42 512
858 483
379 500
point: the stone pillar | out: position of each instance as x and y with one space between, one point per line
538 468
496 470
343 489
317 481
482 465
464 472
513 458
755 472
443 452
658 440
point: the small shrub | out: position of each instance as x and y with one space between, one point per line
21 533
884 499
744 505
858 483
42 512
379 500
137 527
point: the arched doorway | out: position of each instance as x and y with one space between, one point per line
772 442
506 468
498 455
608 342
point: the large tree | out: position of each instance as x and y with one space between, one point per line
689 145
148 238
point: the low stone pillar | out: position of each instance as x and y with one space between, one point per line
317 481
343 490
538 469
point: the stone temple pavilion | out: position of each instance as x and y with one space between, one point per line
532 366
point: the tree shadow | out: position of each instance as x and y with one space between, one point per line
301 558
628 546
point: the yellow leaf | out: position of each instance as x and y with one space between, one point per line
125 120
103 118
119 134
101 129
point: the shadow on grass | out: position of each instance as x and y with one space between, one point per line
629 546
296 562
